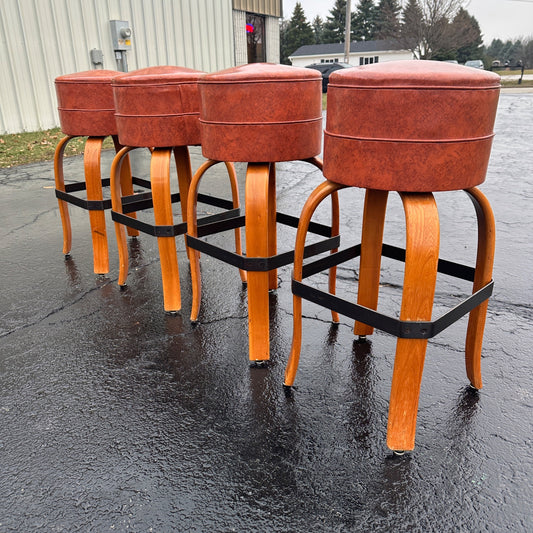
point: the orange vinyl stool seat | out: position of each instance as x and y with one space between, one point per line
414 127
86 108
260 114
158 108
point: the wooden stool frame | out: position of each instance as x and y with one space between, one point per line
262 260
95 204
414 327
126 203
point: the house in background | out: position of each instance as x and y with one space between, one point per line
43 39
361 53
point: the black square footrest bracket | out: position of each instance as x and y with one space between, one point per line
259 264
140 201
405 329
91 205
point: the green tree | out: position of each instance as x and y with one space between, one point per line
467 28
411 29
513 52
335 25
318 29
528 54
428 28
387 19
297 32
495 49
364 21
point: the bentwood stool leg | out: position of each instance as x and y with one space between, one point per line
126 182
258 242
370 263
183 168
160 181
422 254
272 233
335 230
230 167
322 191
116 202
192 229
483 275
60 186
93 180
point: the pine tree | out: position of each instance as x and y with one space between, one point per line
364 23
335 25
318 29
411 28
296 33
388 19
469 32
495 49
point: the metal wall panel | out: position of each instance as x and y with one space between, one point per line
263 7
42 39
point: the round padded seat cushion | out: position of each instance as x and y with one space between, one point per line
416 126
158 107
85 103
261 112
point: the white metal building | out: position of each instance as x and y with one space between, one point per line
361 53
43 39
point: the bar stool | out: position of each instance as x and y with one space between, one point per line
86 108
158 108
414 127
259 114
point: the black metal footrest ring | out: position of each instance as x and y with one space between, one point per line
259 264
91 205
405 329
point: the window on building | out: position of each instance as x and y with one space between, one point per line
255 36
368 60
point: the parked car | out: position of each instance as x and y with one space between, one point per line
474 63
326 69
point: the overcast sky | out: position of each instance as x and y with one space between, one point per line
503 19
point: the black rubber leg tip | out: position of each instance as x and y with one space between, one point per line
288 391
259 363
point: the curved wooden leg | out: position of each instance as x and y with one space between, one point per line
371 244
126 183
116 204
272 230
160 180
483 275
192 230
93 180
335 228
60 186
235 198
257 245
183 168
422 254
322 191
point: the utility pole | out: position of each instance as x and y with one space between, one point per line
347 31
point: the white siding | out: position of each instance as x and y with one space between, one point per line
239 30
43 39
272 39
384 56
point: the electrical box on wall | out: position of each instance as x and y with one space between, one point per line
120 34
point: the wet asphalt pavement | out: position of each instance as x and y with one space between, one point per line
117 417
